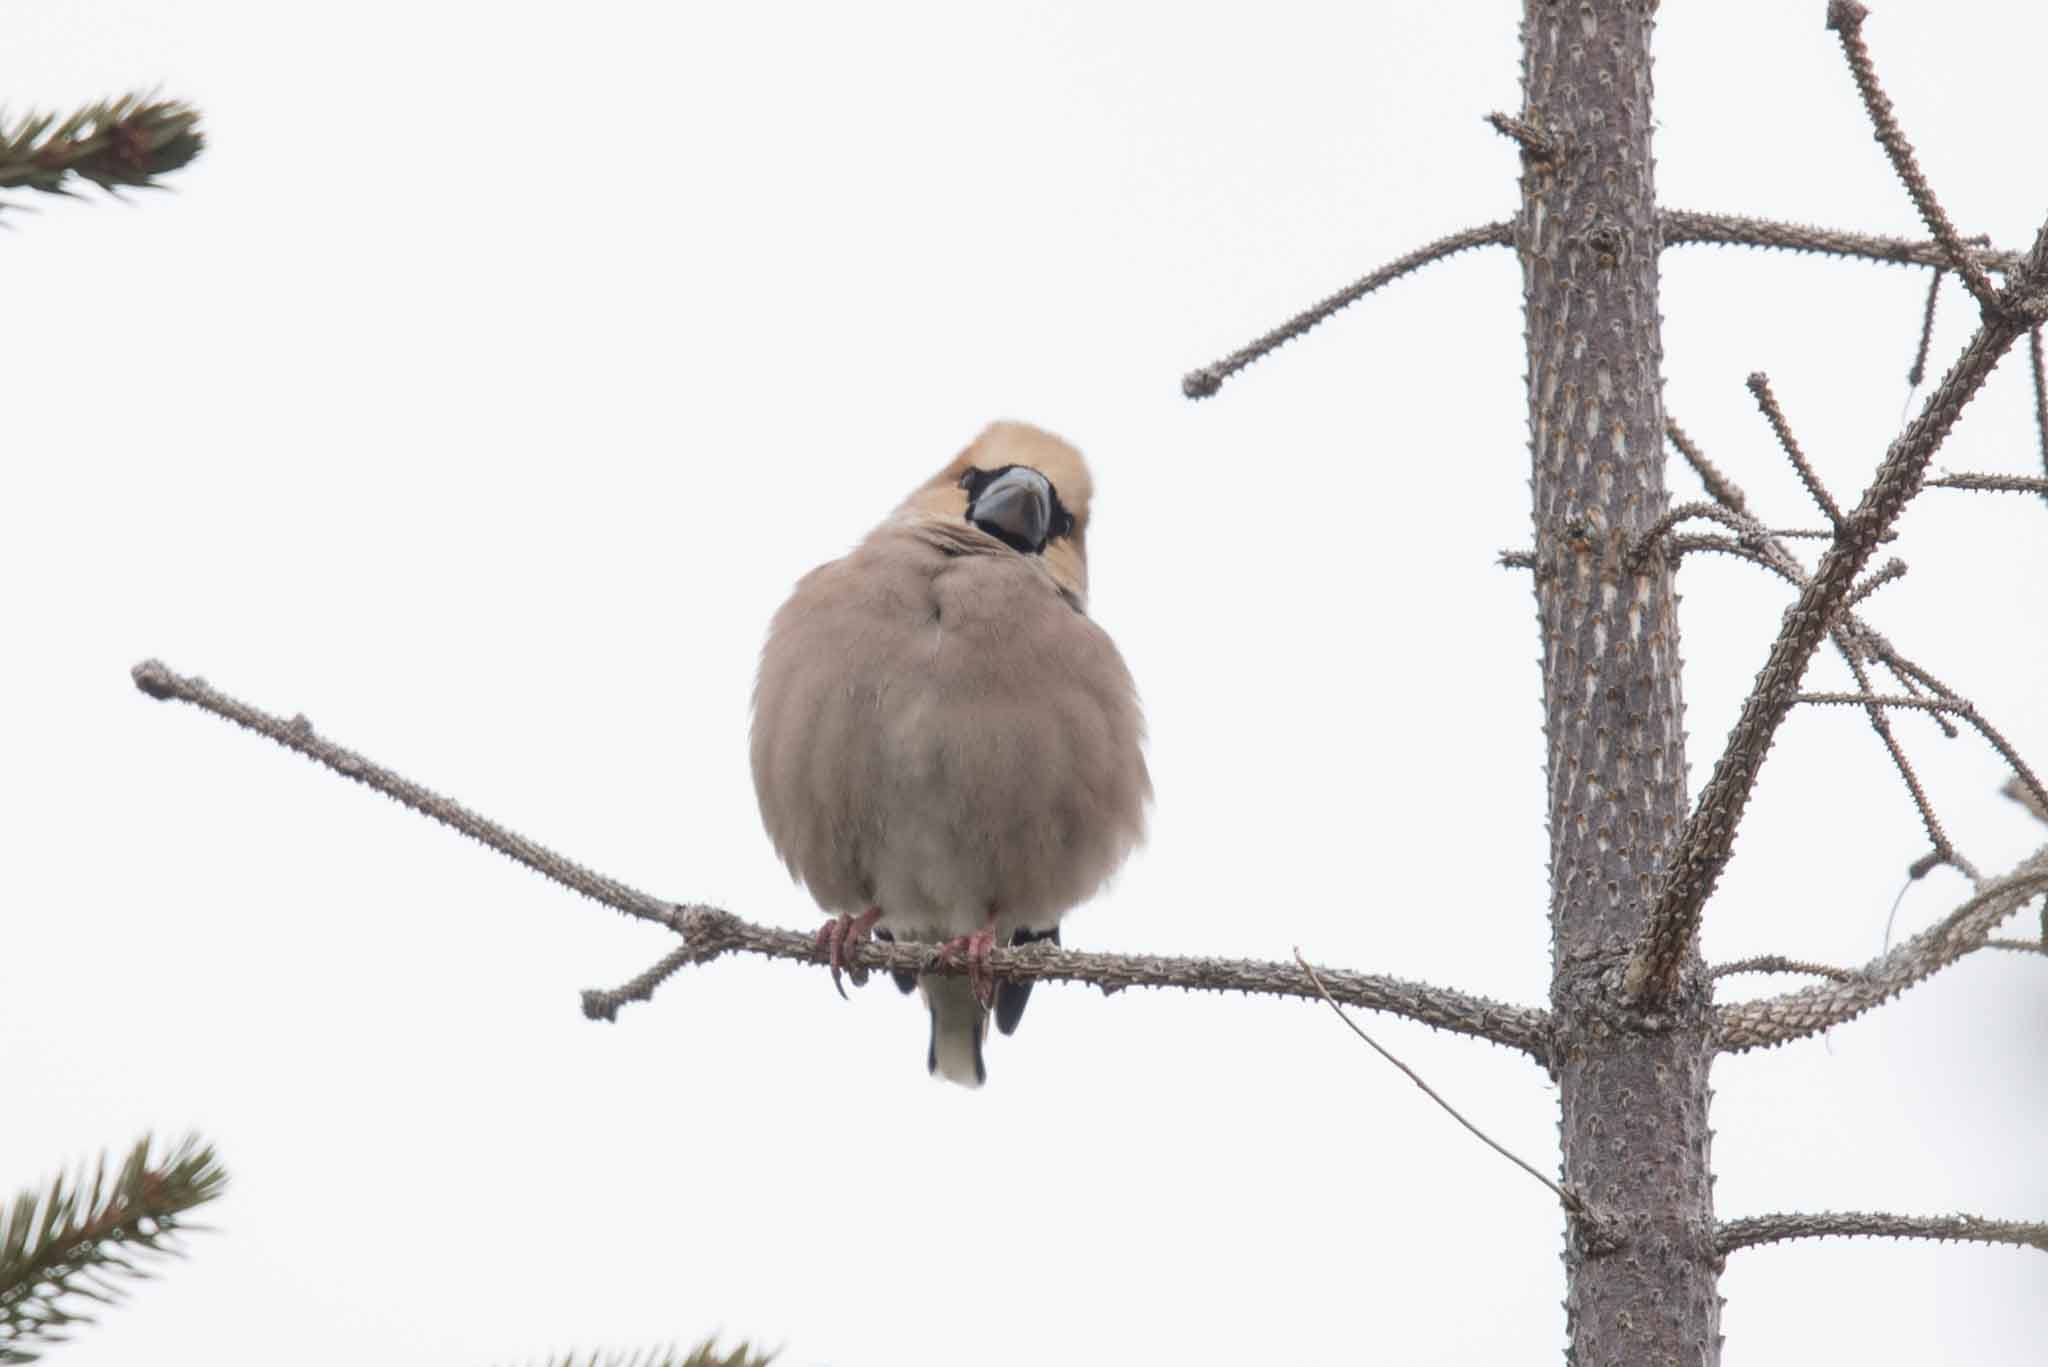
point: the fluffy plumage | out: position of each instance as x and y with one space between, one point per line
941 733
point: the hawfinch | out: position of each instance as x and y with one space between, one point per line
945 748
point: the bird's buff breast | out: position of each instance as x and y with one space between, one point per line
980 752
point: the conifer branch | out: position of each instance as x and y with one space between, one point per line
76 1241
129 142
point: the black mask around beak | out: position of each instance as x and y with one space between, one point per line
1016 507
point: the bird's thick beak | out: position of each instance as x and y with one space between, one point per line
1015 506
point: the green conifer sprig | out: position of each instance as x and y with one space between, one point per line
76 1242
124 143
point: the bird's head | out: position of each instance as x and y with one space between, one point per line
1026 488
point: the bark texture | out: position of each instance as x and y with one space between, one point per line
1632 1086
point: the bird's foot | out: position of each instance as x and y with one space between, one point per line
975 949
841 931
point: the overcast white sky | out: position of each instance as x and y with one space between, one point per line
488 383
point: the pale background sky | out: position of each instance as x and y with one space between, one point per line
488 383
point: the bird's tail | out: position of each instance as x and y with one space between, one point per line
959 1025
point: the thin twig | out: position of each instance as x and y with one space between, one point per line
2020 946
1571 1199
1747 529
1760 388
1992 484
1893 568
1778 963
155 679
1200 384
1722 488
1768 1229
1949 704
1845 18
709 931
1906 681
1685 227
1874 708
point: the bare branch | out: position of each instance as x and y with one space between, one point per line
2027 797
1684 227
1200 384
1769 1229
2022 946
1573 1203
1760 387
1944 851
155 679
1874 700
1722 488
709 932
1845 18
1778 963
1993 484
1884 656
1795 1015
1894 568
1852 639
1855 637
1703 846
1678 228
1748 531
1967 710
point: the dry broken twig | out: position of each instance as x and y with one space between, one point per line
1600 1229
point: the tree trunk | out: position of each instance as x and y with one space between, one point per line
1632 1088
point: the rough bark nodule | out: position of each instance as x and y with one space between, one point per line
1632 1087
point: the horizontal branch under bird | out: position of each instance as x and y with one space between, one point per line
708 932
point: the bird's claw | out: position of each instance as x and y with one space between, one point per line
975 948
840 932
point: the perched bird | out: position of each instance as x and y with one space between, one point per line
945 748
